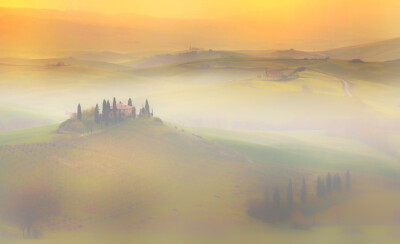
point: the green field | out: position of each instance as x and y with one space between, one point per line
146 181
15 118
33 135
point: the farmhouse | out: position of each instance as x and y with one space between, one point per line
274 75
122 110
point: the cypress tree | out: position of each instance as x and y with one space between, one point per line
277 198
147 107
290 194
347 180
130 102
304 191
108 112
79 112
114 109
96 114
337 185
328 184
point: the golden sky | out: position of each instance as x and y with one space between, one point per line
211 8
224 24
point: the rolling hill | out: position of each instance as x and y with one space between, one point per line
108 57
284 54
151 181
181 57
217 89
60 62
380 51
15 119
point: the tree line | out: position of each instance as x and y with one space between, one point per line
278 210
322 189
111 114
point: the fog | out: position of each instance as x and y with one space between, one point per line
201 146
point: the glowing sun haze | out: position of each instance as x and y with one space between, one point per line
210 8
235 24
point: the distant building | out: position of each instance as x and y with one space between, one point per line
60 64
122 110
274 73
356 61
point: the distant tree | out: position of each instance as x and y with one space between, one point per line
104 111
147 107
142 112
133 112
290 194
79 112
130 102
304 191
337 185
347 180
96 114
114 109
30 205
277 198
328 184
108 111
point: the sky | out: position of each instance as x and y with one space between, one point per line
267 24
211 8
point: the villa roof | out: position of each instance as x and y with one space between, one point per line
121 106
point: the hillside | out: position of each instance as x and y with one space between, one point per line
15 119
380 51
284 54
217 89
60 62
143 177
109 57
181 57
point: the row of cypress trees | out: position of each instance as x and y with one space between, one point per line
325 189
107 111
322 189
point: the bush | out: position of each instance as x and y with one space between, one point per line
72 125
29 205
158 120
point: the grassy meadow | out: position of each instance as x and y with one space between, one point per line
142 177
208 173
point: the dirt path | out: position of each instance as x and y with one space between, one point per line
346 87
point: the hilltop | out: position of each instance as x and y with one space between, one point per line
379 51
181 57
